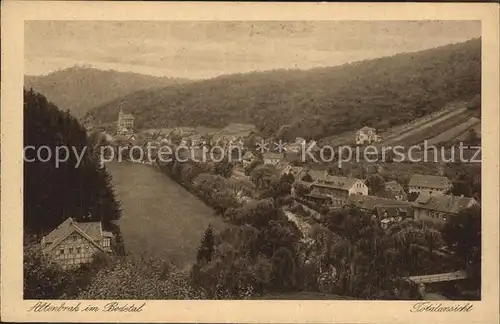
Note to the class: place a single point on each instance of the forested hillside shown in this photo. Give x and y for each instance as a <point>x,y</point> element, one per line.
<point>80,89</point>
<point>318,102</point>
<point>72,189</point>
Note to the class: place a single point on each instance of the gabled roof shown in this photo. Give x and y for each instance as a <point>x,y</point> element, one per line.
<point>371,202</point>
<point>443,203</point>
<point>282,165</point>
<point>272,155</point>
<point>393,211</point>
<point>92,231</point>
<point>128,116</point>
<point>429,181</point>
<point>296,170</point>
<point>366,128</point>
<point>336,182</point>
<point>316,174</point>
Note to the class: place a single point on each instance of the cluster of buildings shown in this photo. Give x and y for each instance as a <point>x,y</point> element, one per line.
<point>433,202</point>
<point>73,243</point>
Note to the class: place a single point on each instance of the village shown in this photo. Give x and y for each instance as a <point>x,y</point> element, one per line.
<point>200,169</point>
<point>317,189</point>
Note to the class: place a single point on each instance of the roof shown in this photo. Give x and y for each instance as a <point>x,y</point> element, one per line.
<point>302,183</point>
<point>393,211</point>
<point>429,181</point>
<point>282,165</point>
<point>296,170</point>
<point>371,202</point>
<point>272,155</point>
<point>337,182</point>
<point>248,154</point>
<point>443,203</point>
<point>127,116</point>
<point>318,196</point>
<point>107,234</point>
<point>366,128</point>
<point>92,229</point>
<point>316,174</point>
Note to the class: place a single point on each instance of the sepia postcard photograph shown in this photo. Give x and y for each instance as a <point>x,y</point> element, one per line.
<point>250,162</point>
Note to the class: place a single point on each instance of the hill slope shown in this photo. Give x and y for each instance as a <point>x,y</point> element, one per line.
<point>80,89</point>
<point>316,103</point>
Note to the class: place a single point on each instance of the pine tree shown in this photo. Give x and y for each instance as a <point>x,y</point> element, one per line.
<point>206,250</point>
<point>72,189</point>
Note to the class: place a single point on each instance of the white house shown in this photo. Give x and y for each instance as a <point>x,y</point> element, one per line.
<point>272,158</point>
<point>366,135</point>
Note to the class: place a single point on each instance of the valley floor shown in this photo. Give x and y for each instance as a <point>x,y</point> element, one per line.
<point>160,218</point>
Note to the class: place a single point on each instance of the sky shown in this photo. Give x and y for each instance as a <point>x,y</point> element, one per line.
<point>203,49</point>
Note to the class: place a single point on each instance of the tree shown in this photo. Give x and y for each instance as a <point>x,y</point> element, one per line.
<point>224,168</point>
<point>145,279</point>
<point>462,233</point>
<point>52,194</point>
<point>206,250</point>
<point>262,176</point>
<point>307,178</point>
<point>376,185</point>
<point>252,166</point>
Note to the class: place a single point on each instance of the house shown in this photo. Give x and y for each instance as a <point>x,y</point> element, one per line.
<point>366,135</point>
<point>429,183</point>
<point>388,211</point>
<point>371,203</point>
<point>73,243</point>
<point>296,171</point>
<point>395,191</point>
<point>125,123</point>
<point>272,158</point>
<point>338,188</point>
<point>185,131</point>
<point>438,208</point>
<point>247,159</point>
<point>195,140</point>
<point>297,146</point>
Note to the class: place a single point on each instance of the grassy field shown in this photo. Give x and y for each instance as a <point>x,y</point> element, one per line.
<point>160,218</point>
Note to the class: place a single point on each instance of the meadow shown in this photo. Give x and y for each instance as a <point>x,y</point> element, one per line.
<point>159,217</point>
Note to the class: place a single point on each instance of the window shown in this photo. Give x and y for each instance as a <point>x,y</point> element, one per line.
<point>70,250</point>
<point>78,250</point>
<point>61,251</point>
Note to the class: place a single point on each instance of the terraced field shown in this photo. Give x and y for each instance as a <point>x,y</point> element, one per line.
<point>432,130</point>
<point>454,132</point>
<point>425,130</point>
